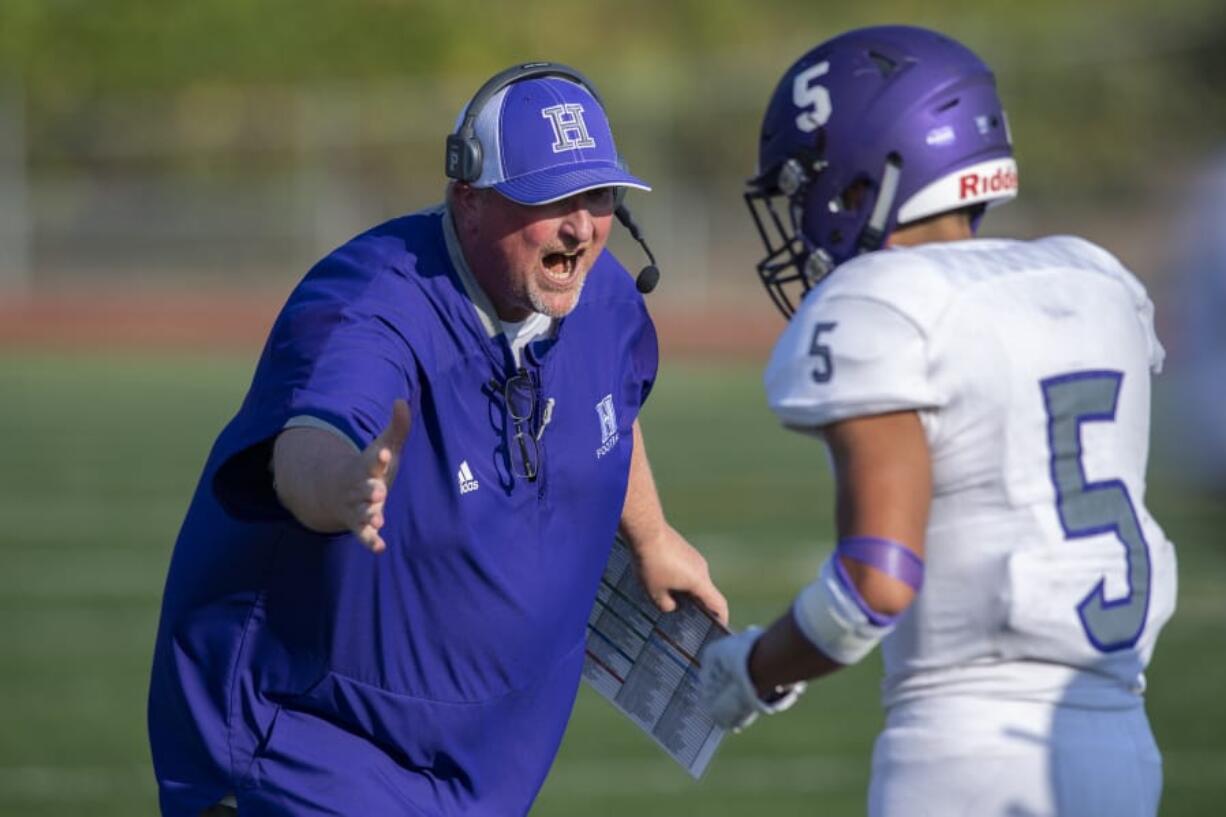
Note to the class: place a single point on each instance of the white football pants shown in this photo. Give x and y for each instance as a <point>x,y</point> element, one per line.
<point>954,756</point>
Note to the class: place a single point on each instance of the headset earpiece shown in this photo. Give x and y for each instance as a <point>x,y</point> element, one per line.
<point>463,157</point>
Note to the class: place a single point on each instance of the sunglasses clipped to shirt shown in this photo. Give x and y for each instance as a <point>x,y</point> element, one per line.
<point>520,394</point>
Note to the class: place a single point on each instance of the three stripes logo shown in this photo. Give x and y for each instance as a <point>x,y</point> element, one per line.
<point>465,477</point>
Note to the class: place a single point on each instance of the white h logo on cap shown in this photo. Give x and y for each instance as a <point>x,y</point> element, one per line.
<point>569,129</point>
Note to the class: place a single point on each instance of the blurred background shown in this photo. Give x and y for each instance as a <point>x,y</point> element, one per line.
<point>169,170</point>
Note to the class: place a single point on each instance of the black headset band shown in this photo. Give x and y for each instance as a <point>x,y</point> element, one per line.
<point>509,76</point>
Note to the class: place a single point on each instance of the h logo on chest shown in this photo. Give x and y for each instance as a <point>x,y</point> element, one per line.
<point>569,129</point>
<point>608,425</point>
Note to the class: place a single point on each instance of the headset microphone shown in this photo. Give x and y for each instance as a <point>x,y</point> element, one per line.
<point>649,276</point>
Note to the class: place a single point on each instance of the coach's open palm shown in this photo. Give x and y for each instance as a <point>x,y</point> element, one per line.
<point>378,465</point>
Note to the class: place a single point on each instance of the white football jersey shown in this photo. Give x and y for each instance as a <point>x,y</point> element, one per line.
<point>1029,364</point>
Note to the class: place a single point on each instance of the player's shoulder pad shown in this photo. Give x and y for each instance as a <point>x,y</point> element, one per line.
<point>1081,252</point>
<point>1085,254</point>
<point>858,345</point>
<point>910,283</point>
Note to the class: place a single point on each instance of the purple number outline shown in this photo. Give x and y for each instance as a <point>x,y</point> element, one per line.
<point>1098,593</point>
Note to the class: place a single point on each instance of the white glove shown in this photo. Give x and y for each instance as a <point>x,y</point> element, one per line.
<point>726,689</point>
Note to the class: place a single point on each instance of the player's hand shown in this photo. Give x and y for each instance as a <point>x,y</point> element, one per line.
<point>671,565</point>
<point>726,689</point>
<point>377,469</point>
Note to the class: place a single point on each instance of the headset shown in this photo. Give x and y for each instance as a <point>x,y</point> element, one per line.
<point>465,156</point>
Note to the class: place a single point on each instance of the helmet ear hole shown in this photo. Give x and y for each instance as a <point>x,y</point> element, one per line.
<point>855,194</point>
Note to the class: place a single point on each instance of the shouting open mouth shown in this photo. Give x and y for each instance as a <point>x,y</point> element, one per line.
<point>561,267</point>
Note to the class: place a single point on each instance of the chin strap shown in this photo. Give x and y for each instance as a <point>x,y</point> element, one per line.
<point>874,233</point>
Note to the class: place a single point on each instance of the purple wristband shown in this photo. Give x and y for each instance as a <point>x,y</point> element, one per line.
<point>891,558</point>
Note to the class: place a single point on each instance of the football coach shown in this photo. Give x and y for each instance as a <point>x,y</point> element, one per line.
<point>377,602</point>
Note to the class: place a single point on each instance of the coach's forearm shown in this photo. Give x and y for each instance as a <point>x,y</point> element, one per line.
<point>642,521</point>
<point>311,468</point>
<point>666,563</point>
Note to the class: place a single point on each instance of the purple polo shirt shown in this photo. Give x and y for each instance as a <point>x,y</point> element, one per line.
<point>306,675</point>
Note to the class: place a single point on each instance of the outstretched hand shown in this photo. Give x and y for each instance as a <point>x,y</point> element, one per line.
<point>378,465</point>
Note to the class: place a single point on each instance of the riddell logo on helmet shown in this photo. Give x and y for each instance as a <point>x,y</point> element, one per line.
<point>973,185</point>
<point>993,180</point>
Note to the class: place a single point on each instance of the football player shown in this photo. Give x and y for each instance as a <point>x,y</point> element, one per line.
<point>986,408</point>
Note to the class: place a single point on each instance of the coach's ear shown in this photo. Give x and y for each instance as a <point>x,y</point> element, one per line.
<point>465,202</point>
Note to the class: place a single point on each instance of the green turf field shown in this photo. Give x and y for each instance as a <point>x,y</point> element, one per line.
<point>99,459</point>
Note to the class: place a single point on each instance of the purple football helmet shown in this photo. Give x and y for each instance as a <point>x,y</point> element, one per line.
<point>876,128</point>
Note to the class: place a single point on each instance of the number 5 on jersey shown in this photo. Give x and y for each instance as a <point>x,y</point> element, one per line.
<point>823,370</point>
<point>1088,508</point>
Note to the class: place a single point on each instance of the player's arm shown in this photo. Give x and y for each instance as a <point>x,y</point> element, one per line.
<point>883,478</point>
<point>665,561</point>
<point>883,475</point>
<point>329,486</point>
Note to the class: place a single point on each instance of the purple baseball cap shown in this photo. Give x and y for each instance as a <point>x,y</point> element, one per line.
<point>547,138</point>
